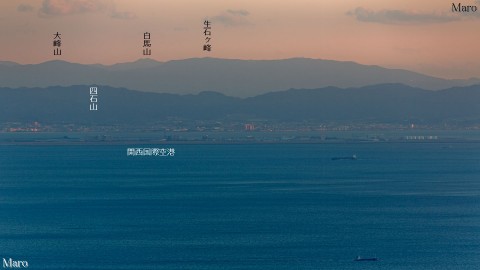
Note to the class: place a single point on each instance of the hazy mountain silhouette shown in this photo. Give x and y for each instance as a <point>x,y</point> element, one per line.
<point>8,63</point>
<point>240,78</point>
<point>388,103</point>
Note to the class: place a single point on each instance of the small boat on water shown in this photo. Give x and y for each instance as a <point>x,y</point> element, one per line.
<point>353,157</point>
<point>362,259</point>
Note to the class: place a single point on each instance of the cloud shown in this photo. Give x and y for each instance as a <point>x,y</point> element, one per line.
<point>122,15</point>
<point>180,29</point>
<point>54,8</point>
<point>387,16</point>
<point>70,7</point>
<point>232,18</point>
<point>24,8</point>
<point>242,12</point>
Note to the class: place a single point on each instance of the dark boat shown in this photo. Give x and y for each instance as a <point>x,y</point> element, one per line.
<point>360,259</point>
<point>353,157</point>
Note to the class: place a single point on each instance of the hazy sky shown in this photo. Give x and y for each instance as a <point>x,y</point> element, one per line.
<point>423,36</point>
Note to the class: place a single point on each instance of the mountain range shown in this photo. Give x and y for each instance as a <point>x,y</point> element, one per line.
<point>384,103</point>
<point>237,78</point>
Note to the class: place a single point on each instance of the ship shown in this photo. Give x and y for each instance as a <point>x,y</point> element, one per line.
<point>353,157</point>
<point>362,259</point>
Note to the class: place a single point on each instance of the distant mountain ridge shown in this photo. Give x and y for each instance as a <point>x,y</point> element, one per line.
<point>239,78</point>
<point>387,103</point>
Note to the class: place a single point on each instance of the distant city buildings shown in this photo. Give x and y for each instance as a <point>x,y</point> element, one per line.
<point>421,138</point>
<point>177,125</point>
<point>249,127</point>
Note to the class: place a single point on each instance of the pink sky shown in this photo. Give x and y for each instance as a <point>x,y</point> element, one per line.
<point>423,36</point>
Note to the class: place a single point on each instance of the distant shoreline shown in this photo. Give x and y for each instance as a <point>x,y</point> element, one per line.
<point>239,138</point>
<point>220,142</point>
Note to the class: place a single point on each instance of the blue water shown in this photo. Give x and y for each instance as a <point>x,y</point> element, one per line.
<point>413,205</point>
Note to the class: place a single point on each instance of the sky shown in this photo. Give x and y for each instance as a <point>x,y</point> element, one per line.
<point>422,36</point>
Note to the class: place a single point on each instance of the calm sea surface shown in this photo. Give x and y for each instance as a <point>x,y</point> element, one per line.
<point>412,205</point>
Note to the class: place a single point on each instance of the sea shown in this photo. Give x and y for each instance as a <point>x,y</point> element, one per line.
<point>242,206</point>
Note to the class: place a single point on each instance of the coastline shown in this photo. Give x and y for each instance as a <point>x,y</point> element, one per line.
<point>224,142</point>
<point>239,138</point>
